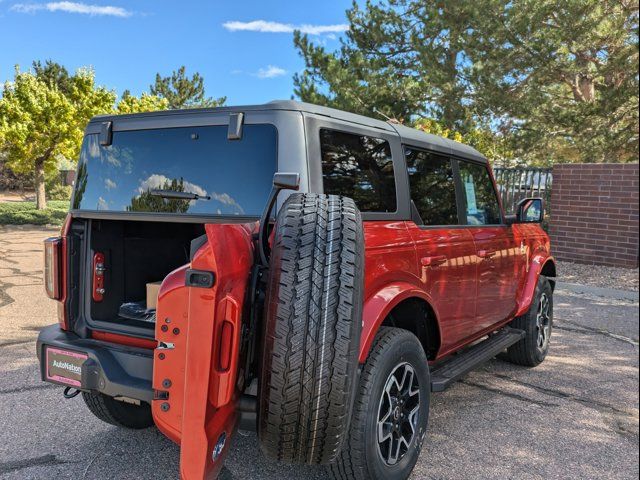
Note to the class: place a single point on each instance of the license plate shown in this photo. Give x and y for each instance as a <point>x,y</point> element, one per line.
<point>64,366</point>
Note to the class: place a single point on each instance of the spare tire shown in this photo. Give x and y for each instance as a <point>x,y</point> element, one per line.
<point>312,326</point>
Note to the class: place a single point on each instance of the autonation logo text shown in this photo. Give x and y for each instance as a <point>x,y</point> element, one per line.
<point>67,366</point>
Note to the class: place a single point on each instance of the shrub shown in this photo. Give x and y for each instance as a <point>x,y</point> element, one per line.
<point>22,213</point>
<point>60,192</point>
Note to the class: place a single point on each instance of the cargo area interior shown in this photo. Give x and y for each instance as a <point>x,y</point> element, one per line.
<point>135,253</point>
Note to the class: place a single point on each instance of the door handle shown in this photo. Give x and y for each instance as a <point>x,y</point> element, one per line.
<point>485,254</point>
<point>433,261</point>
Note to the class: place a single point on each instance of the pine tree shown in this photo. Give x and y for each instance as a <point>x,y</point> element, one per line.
<point>182,91</point>
<point>556,80</point>
<point>54,75</point>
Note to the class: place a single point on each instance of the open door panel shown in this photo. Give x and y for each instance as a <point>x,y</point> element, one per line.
<point>196,363</point>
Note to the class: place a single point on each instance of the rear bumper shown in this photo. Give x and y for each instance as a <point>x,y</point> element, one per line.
<point>115,370</point>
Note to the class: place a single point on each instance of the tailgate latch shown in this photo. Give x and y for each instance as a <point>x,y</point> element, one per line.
<point>98,277</point>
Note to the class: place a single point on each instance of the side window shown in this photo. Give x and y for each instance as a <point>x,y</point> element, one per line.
<point>360,167</point>
<point>481,201</point>
<point>433,187</point>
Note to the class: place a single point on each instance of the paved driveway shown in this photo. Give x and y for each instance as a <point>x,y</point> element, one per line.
<point>575,416</point>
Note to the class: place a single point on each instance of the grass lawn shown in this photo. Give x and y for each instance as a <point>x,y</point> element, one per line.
<point>22,213</point>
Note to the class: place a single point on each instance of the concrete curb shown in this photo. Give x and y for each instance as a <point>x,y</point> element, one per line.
<point>599,292</point>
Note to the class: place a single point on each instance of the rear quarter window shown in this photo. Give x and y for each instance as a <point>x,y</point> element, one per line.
<point>360,167</point>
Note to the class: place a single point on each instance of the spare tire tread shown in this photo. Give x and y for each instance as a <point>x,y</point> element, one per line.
<point>312,342</point>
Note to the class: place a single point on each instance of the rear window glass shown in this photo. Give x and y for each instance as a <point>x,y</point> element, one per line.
<point>232,177</point>
<point>360,167</point>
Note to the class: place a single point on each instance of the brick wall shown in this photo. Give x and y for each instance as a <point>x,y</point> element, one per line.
<point>594,214</point>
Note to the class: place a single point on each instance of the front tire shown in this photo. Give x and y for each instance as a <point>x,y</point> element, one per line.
<point>120,414</point>
<point>391,411</point>
<point>537,324</point>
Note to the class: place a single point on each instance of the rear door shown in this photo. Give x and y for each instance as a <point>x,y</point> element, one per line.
<point>496,254</point>
<point>445,249</point>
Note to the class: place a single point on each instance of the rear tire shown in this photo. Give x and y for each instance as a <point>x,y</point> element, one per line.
<point>120,414</point>
<point>312,326</point>
<point>537,324</point>
<point>388,406</point>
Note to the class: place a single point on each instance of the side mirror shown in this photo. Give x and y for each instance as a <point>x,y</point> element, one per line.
<point>529,210</point>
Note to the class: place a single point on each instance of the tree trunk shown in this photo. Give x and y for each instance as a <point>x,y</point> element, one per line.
<point>584,89</point>
<point>41,199</point>
<point>587,88</point>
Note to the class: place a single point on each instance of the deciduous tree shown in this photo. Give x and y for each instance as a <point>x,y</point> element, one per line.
<point>493,145</point>
<point>144,103</point>
<point>39,122</point>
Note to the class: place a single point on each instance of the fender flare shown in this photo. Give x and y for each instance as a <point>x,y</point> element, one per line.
<point>377,307</point>
<point>538,262</point>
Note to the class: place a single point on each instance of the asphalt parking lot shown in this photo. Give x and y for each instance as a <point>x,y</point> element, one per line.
<point>575,416</point>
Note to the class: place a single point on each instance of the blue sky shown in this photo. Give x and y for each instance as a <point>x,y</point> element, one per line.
<point>244,49</point>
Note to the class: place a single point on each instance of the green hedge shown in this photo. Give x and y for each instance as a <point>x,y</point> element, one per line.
<point>22,213</point>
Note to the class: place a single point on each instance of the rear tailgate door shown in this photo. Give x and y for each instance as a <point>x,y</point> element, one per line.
<point>196,365</point>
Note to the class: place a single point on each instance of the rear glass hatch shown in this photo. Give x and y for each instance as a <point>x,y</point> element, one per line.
<point>226,177</point>
<point>148,194</point>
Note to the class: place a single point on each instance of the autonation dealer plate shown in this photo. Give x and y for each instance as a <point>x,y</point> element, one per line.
<point>64,366</point>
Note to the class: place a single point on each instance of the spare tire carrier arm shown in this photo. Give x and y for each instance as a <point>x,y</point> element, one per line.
<point>281,181</point>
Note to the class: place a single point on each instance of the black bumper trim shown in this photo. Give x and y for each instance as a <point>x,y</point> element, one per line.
<point>115,370</point>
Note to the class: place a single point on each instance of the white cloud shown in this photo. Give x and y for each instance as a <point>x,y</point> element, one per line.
<point>223,198</point>
<point>277,27</point>
<point>159,181</point>
<point>270,71</point>
<point>72,7</point>
<point>109,184</point>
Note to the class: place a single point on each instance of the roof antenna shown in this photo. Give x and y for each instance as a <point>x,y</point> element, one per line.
<point>388,118</point>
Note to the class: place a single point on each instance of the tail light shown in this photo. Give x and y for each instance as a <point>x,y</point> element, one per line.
<point>55,272</point>
<point>53,267</point>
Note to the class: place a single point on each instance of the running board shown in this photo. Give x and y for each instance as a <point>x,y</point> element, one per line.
<point>449,371</point>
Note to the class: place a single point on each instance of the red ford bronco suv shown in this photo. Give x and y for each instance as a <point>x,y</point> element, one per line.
<point>297,270</point>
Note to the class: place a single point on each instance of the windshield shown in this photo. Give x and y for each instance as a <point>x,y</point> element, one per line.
<point>228,177</point>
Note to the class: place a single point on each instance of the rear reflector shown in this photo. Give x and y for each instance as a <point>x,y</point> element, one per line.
<point>52,267</point>
<point>226,346</point>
